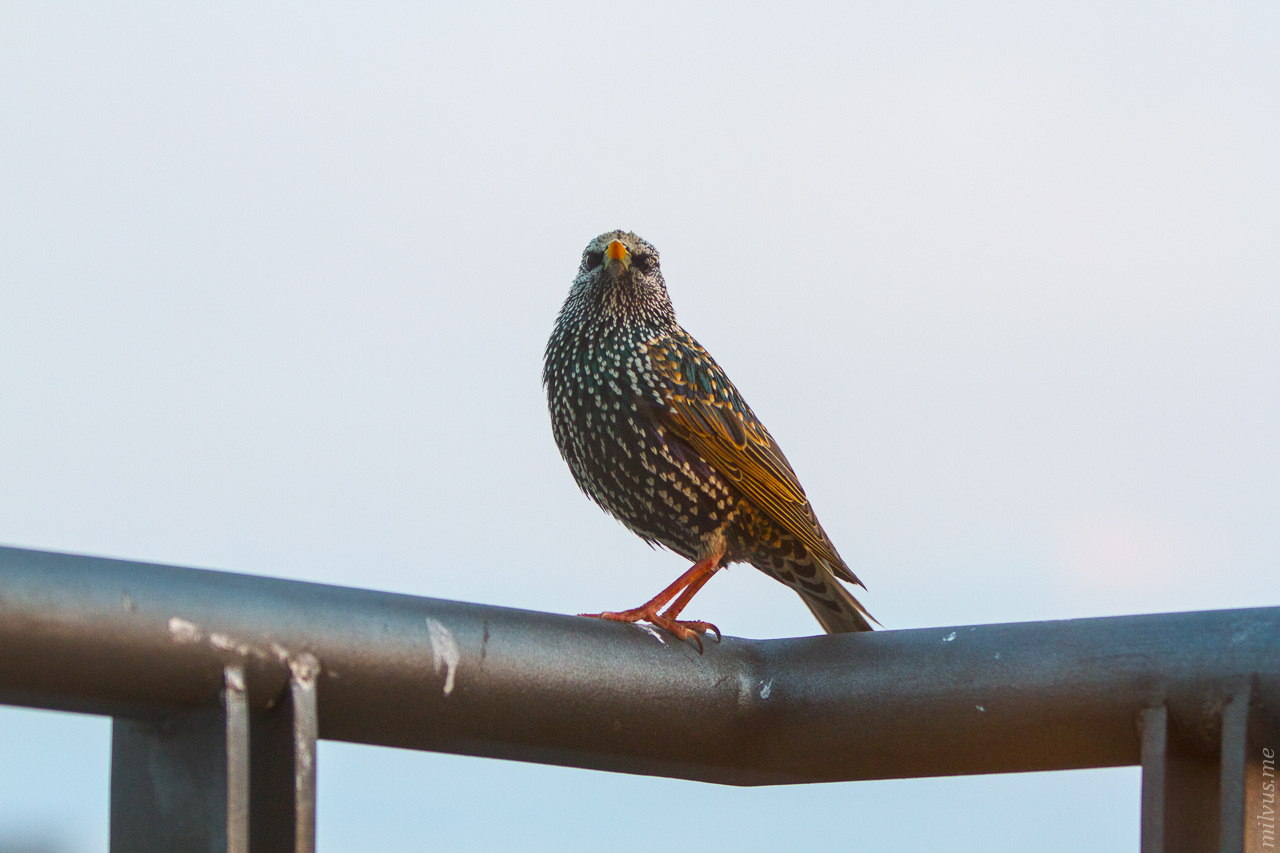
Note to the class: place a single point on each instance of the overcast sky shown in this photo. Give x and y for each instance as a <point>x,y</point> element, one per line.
<point>1001,278</point>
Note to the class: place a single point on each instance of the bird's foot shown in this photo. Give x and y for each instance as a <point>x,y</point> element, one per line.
<point>680,629</point>
<point>684,629</point>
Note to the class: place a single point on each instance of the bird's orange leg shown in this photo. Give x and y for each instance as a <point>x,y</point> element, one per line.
<point>685,586</point>
<point>679,604</point>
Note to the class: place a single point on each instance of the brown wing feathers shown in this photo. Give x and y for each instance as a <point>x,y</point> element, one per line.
<point>711,417</point>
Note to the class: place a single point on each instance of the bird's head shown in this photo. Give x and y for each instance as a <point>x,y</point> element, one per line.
<point>620,277</point>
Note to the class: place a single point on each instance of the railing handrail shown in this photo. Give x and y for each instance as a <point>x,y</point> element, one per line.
<point>118,637</point>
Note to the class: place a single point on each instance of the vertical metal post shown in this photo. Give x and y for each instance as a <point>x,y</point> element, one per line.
<point>1235,762</point>
<point>210,779</point>
<point>1262,781</point>
<point>179,780</point>
<point>283,807</point>
<point>237,705</point>
<point>306,730</point>
<point>1180,804</point>
<point>1153,728</point>
<point>1193,802</point>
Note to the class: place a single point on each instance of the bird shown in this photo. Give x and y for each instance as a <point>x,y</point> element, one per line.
<point>654,432</point>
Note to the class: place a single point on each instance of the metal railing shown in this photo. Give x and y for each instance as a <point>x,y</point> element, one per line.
<point>219,685</point>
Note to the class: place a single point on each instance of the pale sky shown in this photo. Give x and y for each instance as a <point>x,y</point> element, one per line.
<point>1002,279</point>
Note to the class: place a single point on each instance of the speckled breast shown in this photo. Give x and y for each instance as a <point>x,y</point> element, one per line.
<point>606,404</point>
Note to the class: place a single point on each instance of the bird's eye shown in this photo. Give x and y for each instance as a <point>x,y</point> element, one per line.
<point>594,259</point>
<point>643,263</point>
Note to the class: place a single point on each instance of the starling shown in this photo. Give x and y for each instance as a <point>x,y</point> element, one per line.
<point>657,435</point>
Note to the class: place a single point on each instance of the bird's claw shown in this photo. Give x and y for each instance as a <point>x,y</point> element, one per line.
<point>681,630</point>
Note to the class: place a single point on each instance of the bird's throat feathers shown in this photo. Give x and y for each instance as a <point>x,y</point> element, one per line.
<point>615,306</point>
<point>607,300</point>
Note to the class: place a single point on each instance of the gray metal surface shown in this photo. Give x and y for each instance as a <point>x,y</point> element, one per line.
<point>1198,800</point>
<point>212,778</point>
<point>169,783</point>
<point>126,639</point>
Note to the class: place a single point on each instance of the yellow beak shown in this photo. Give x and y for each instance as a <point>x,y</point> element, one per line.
<point>618,252</point>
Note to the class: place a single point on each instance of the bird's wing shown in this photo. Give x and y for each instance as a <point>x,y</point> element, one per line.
<point>705,410</point>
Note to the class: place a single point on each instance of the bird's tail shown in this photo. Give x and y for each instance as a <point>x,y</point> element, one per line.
<point>835,608</point>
